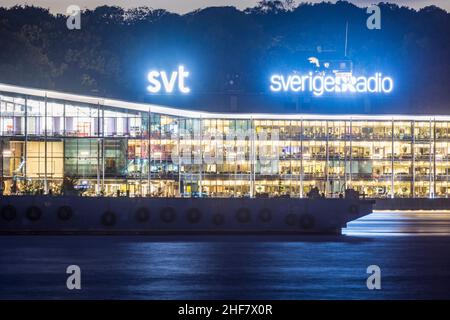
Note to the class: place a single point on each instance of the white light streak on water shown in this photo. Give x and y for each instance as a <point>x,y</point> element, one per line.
<point>401,223</point>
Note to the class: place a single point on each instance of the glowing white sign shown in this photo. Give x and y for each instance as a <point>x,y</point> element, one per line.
<point>319,84</point>
<point>160,80</point>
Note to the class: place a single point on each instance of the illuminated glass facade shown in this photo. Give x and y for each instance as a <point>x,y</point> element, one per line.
<point>109,147</point>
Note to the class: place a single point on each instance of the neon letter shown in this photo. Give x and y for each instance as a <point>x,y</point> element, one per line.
<point>155,85</point>
<point>182,74</point>
<point>275,83</point>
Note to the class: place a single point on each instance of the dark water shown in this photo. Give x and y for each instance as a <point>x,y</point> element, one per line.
<point>412,250</point>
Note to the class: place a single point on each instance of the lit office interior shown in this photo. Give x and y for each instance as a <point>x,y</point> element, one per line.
<point>114,151</point>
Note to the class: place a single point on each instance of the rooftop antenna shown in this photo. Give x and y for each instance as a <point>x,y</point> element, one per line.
<point>346,39</point>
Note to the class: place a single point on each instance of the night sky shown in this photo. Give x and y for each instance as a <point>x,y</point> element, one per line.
<point>189,5</point>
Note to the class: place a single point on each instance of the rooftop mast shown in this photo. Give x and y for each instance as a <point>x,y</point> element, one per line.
<point>346,39</point>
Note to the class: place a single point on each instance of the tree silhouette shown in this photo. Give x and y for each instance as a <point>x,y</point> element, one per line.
<point>228,51</point>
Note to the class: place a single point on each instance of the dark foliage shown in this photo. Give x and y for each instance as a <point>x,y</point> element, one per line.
<point>229,52</point>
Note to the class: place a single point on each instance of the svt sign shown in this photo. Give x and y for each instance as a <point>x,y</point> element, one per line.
<point>162,81</point>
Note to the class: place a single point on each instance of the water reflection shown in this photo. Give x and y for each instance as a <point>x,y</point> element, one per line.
<point>237,267</point>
